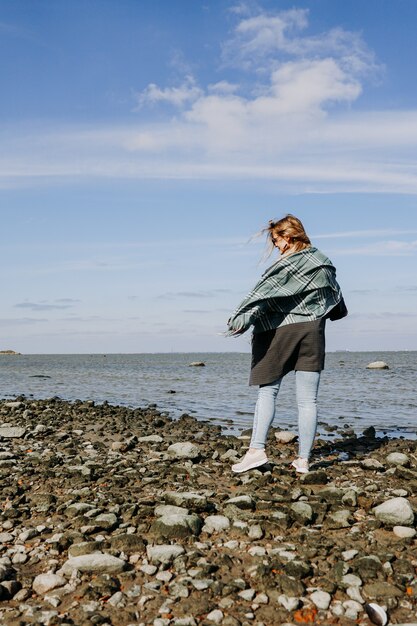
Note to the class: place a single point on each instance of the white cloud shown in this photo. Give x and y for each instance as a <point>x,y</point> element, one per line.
<point>296,125</point>
<point>177,96</point>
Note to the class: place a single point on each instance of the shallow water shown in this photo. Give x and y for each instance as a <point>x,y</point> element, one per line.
<point>349,393</point>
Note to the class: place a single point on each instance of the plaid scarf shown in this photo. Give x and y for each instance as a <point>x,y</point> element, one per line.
<point>301,287</point>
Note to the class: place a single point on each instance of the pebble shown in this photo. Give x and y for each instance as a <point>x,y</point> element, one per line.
<point>321,599</point>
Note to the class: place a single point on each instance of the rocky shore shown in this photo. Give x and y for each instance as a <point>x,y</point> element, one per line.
<point>120,516</point>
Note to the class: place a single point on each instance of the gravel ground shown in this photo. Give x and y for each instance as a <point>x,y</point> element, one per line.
<point>111,515</point>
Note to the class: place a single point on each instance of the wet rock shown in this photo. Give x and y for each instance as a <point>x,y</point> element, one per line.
<point>377,365</point>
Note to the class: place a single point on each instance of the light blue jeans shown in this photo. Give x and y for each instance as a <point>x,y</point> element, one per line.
<point>307,385</point>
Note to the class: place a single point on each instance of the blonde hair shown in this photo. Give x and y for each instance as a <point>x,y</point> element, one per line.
<point>290,227</point>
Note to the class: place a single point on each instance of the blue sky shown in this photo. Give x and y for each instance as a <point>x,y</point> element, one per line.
<point>143,144</point>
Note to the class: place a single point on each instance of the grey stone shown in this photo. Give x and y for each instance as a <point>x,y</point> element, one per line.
<point>395,512</point>
<point>242,502</point>
<point>404,532</point>
<point>46,582</point>
<point>339,519</point>
<point>321,599</point>
<point>371,464</point>
<point>216,523</point>
<point>398,458</point>
<point>164,554</point>
<point>151,439</point>
<point>184,450</point>
<point>215,616</point>
<point>289,603</point>
<point>382,590</point>
<point>95,562</point>
<point>285,436</point>
<point>170,509</point>
<point>187,499</point>
<point>84,547</point>
<point>302,512</point>
<point>128,543</point>
<point>177,526</point>
<point>106,521</point>
<point>317,477</point>
<point>78,508</point>
<point>331,494</point>
<point>12,432</point>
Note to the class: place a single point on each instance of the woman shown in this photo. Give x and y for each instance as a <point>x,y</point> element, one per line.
<point>288,309</point>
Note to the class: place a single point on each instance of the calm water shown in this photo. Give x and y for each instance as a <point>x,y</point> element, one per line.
<point>349,393</point>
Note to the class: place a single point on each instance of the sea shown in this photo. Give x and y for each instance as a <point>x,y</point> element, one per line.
<point>350,397</point>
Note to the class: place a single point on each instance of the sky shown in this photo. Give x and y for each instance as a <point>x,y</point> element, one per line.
<point>144,144</point>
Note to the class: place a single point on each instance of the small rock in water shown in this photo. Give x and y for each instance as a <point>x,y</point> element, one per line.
<point>197,364</point>
<point>377,365</point>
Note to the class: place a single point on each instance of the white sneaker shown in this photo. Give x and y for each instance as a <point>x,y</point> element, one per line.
<point>250,461</point>
<point>301,465</point>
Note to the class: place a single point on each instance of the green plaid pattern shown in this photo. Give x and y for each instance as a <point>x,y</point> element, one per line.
<point>299,288</point>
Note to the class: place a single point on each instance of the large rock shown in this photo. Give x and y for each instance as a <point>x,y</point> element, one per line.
<point>398,458</point>
<point>184,450</point>
<point>377,365</point>
<point>46,582</point>
<point>395,512</point>
<point>12,432</point>
<point>242,502</point>
<point>96,562</point>
<point>216,523</point>
<point>186,499</point>
<point>163,554</point>
<point>285,436</point>
<point>128,543</point>
<point>177,525</point>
